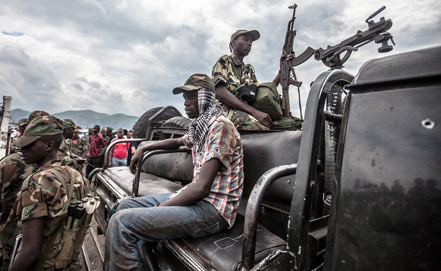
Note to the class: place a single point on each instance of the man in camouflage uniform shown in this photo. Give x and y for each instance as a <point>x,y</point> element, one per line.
<point>13,171</point>
<point>21,127</point>
<point>44,198</point>
<point>230,74</point>
<point>78,145</point>
<point>65,153</point>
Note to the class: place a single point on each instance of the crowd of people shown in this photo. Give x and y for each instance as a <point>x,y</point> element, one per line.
<point>44,183</point>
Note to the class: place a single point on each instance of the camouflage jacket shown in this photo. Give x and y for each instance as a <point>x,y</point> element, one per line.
<point>44,195</point>
<point>79,148</point>
<point>66,156</point>
<point>233,73</point>
<point>13,171</point>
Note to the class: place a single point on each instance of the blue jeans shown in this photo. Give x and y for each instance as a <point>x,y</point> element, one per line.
<point>116,162</point>
<point>137,221</point>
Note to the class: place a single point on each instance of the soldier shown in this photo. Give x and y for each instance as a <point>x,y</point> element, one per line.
<point>79,145</point>
<point>21,126</point>
<point>232,77</point>
<point>43,201</point>
<point>13,171</point>
<point>64,153</point>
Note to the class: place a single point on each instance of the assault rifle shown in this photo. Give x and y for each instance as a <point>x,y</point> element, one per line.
<point>287,73</point>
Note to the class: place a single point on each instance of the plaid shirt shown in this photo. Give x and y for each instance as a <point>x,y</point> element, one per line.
<point>222,142</point>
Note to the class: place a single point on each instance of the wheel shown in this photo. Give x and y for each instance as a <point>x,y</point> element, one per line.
<point>177,122</point>
<point>332,132</point>
<point>160,114</point>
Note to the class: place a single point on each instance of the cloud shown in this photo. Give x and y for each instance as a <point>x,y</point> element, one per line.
<point>13,33</point>
<point>29,82</point>
<point>126,56</point>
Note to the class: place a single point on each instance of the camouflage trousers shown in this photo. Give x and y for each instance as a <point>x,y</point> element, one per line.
<point>246,122</point>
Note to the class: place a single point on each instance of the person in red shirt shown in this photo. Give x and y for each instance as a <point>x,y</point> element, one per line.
<point>97,146</point>
<point>119,151</point>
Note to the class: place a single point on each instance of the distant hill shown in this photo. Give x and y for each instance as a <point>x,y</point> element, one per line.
<point>85,118</point>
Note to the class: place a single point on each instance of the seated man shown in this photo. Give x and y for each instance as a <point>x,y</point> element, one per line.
<point>230,74</point>
<point>205,206</point>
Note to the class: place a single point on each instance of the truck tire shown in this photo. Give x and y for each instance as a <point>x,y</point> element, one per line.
<point>140,127</point>
<point>332,132</point>
<point>177,122</point>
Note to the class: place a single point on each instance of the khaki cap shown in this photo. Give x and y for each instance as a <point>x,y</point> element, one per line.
<point>195,82</point>
<point>254,34</point>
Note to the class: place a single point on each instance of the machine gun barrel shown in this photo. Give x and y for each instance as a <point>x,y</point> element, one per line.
<point>377,31</point>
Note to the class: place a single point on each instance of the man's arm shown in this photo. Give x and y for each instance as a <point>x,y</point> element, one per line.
<point>230,100</point>
<point>104,146</point>
<point>220,72</point>
<point>198,190</point>
<point>32,244</point>
<point>276,79</point>
<point>168,144</point>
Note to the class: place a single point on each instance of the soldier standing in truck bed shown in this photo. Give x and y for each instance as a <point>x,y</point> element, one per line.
<point>230,74</point>
<point>43,201</point>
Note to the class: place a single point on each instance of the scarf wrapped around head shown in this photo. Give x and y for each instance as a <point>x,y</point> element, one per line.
<point>207,109</point>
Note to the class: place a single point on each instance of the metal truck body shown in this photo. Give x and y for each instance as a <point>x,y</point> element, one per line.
<point>371,202</point>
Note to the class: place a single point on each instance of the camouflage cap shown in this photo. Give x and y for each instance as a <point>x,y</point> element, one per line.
<point>68,123</point>
<point>37,113</point>
<point>23,122</point>
<point>195,82</point>
<point>38,127</point>
<point>254,34</point>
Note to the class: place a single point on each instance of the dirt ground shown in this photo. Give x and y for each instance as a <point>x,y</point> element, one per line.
<point>92,251</point>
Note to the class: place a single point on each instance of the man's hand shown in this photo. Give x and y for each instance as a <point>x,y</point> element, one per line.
<point>136,159</point>
<point>262,117</point>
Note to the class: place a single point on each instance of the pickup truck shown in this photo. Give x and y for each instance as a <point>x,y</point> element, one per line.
<point>359,188</point>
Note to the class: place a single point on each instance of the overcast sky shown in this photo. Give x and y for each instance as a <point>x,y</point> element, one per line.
<point>126,56</point>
